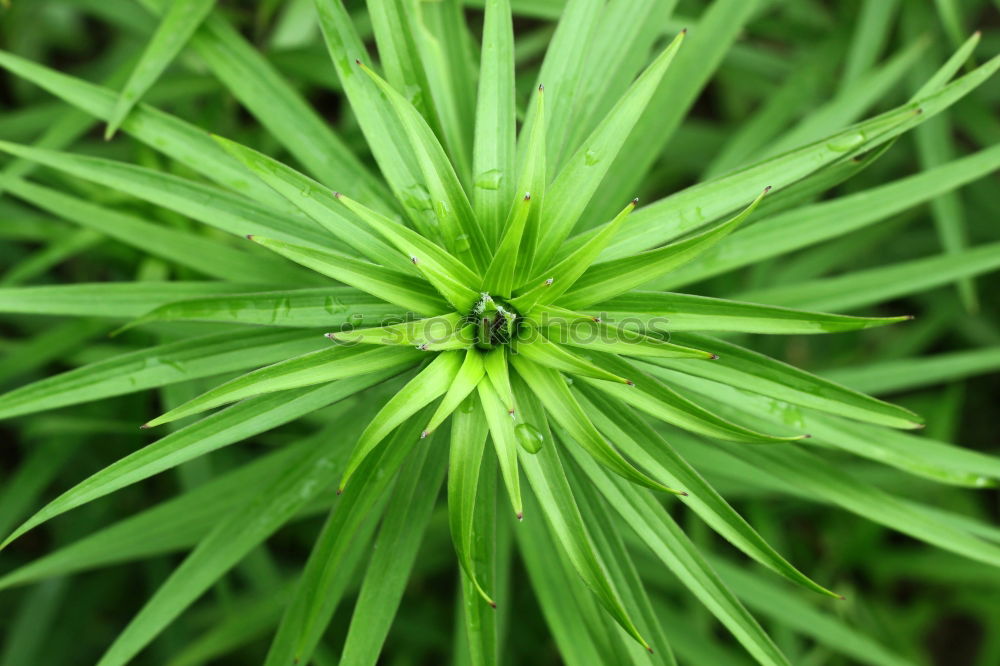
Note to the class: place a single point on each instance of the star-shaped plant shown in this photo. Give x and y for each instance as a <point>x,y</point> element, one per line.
<point>484,286</point>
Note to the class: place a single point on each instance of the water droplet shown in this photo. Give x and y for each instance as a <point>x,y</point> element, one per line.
<point>462,243</point>
<point>467,406</point>
<point>489,180</point>
<point>333,305</point>
<point>417,197</point>
<point>591,157</point>
<point>845,142</point>
<point>529,437</point>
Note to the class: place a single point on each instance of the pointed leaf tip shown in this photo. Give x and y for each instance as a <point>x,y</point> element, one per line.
<point>144,426</point>
<point>424,433</point>
<point>520,515</point>
<point>250,237</point>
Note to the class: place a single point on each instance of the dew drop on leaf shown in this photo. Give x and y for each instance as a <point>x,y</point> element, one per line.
<point>591,157</point>
<point>529,437</point>
<point>842,144</point>
<point>489,180</point>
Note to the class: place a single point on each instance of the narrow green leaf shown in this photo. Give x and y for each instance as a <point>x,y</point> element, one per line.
<point>315,200</point>
<point>660,401</point>
<point>881,284</point>
<point>448,202</point>
<point>401,289</point>
<point>811,224</point>
<point>539,349</point>
<point>182,141</point>
<point>427,386</point>
<point>314,602</point>
<point>208,257</point>
<point>666,312</point>
<point>501,427</point>
<point>448,275</point>
<point>565,327</point>
<point>231,425</point>
<point>419,333</point>
<point>295,308</point>
<point>178,24</point>
<point>317,367</point>
<point>245,71</point>
<point>749,370</point>
<point>395,551</point>
<point>468,443</point>
<point>489,545</point>
<point>226,545</point>
<point>552,392</point>
<point>532,179</point>
<point>160,365</point>
<point>634,436</point>
<point>493,155</point>
<point>465,382</point>
<point>607,280</point>
<point>116,300</point>
<point>568,271</point>
<point>545,472</point>
<point>907,374</point>
<point>659,531</point>
<point>580,177</point>
<point>672,216</point>
<point>719,26</point>
<point>495,364</point>
<point>207,204</point>
<point>499,278</point>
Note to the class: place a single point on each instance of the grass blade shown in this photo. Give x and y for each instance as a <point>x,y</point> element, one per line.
<point>179,22</point>
<point>397,288</point>
<point>552,392</point>
<point>317,367</point>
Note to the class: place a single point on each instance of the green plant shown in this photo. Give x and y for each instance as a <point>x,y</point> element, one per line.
<point>488,293</point>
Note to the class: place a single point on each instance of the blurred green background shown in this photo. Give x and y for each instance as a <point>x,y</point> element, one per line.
<point>797,58</point>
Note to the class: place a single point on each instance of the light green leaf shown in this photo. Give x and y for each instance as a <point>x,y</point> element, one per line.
<point>230,541</point>
<point>539,349</point>
<point>465,382</point>
<point>906,374</point>
<point>316,201</point>
<point>493,155</point>
<point>157,366</point>
<point>607,280</point>
<point>580,177</point>
<point>673,216</point>
<point>314,603</point>
<point>178,24</point>
<point>500,275</point>
<point>749,370</point>
<point>207,204</point>
<point>296,308</point>
<point>823,221</point>
<point>215,431</point>
<point>565,327</point>
<point>881,284</point>
<point>427,386</point>
<point>568,271</point>
<point>545,472</point>
<point>501,427</point>
<point>667,312</point>
<point>448,275</point>
<point>662,402</point>
<point>117,300</point>
<point>634,436</point>
<point>552,392</point>
<point>420,333</point>
<point>279,107</point>
<point>468,443</point>
<point>448,203</point>
<point>660,533</point>
<point>209,257</point>
<point>317,367</point>
<point>532,179</point>
<point>402,290</point>
<point>406,519</point>
<point>495,364</point>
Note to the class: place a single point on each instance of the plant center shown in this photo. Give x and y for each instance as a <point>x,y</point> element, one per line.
<point>495,321</point>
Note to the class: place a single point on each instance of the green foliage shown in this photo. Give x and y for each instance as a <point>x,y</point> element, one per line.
<point>386,242</point>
